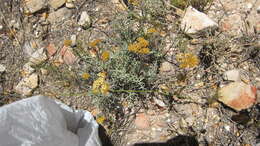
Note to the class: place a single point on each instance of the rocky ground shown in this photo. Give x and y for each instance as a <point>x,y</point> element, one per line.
<point>213,102</point>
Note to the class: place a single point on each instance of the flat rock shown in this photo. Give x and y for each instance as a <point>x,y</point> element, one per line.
<point>51,50</point>
<point>59,15</point>
<point>67,55</point>
<point>142,121</point>
<point>70,5</point>
<point>73,39</point>
<point>238,95</point>
<point>166,68</point>
<point>34,5</point>
<point>84,20</point>
<point>195,21</point>
<point>2,68</point>
<point>232,24</point>
<point>233,75</point>
<point>27,85</point>
<point>56,3</point>
<point>38,57</point>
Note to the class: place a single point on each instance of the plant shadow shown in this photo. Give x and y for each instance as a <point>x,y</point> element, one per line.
<point>181,140</point>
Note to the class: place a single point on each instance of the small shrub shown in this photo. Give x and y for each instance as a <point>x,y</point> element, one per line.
<point>130,69</point>
<point>187,60</point>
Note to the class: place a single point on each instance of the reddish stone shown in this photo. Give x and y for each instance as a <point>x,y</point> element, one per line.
<point>68,56</point>
<point>63,50</point>
<point>51,50</point>
<point>238,95</point>
<point>226,26</point>
<point>244,101</point>
<point>142,121</point>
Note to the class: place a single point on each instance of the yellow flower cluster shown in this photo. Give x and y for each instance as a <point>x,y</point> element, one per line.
<point>105,56</point>
<point>100,85</point>
<point>100,120</point>
<point>85,76</point>
<point>152,30</point>
<point>187,60</point>
<point>94,43</point>
<point>140,47</point>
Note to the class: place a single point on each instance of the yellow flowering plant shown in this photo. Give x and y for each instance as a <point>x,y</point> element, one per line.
<point>85,76</point>
<point>102,74</point>
<point>142,42</point>
<point>105,55</point>
<point>187,60</point>
<point>100,85</point>
<point>101,119</point>
<point>140,47</point>
<point>94,43</point>
<point>151,30</point>
<point>131,68</point>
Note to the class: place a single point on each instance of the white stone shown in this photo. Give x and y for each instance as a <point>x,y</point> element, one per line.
<point>27,85</point>
<point>2,68</point>
<point>233,75</point>
<point>195,21</point>
<point>34,5</point>
<point>56,3</point>
<point>70,5</point>
<point>227,127</point>
<point>159,102</point>
<point>38,57</point>
<point>1,27</point>
<point>84,20</point>
<point>249,5</point>
<point>14,24</point>
<point>166,67</point>
<point>73,39</point>
<point>198,76</point>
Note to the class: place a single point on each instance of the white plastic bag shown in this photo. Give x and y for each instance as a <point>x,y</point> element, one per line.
<point>40,121</point>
